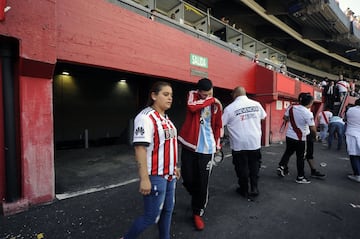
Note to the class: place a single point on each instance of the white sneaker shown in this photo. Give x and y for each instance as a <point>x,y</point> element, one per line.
<point>302,180</point>
<point>355,178</point>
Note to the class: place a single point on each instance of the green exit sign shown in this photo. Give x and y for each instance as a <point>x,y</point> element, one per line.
<point>197,60</point>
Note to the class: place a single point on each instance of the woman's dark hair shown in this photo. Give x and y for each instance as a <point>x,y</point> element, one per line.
<point>156,88</point>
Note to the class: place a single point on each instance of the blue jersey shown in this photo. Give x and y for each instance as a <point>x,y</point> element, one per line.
<point>206,142</point>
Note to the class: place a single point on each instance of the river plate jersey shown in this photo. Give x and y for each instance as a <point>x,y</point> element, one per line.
<point>300,119</point>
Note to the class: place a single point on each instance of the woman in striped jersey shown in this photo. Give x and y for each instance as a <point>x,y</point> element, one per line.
<point>155,142</point>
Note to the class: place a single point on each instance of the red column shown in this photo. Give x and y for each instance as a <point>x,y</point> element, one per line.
<point>2,8</point>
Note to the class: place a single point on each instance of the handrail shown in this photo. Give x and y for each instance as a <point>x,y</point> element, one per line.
<point>212,22</point>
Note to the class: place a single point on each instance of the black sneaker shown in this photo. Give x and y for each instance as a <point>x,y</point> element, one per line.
<point>317,174</point>
<point>242,192</point>
<point>245,195</point>
<point>302,180</point>
<point>254,192</point>
<point>282,171</point>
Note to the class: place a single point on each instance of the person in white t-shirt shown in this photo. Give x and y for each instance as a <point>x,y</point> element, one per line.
<point>343,88</point>
<point>301,124</point>
<point>323,119</point>
<point>243,121</point>
<point>353,139</point>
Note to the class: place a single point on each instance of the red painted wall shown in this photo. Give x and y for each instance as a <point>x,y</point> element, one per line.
<point>102,34</point>
<point>34,25</point>
<point>285,85</point>
<point>120,39</point>
<point>2,6</point>
<point>265,84</point>
<point>276,122</point>
<point>274,88</point>
<point>37,154</point>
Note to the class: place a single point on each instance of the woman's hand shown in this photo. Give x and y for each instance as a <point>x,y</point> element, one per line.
<point>178,173</point>
<point>140,156</point>
<point>145,186</point>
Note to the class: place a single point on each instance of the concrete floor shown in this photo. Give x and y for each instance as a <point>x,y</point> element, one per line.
<point>324,209</point>
<point>81,170</point>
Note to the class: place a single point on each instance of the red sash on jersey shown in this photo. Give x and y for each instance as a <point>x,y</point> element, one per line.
<point>342,84</point>
<point>293,124</point>
<point>325,118</point>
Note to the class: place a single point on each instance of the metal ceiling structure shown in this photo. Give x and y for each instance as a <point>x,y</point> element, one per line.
<point>313,32</point>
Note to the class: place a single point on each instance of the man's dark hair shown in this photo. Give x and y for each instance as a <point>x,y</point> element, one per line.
<point>204,84</point>
<point>301,95</point>
<point>357,102</point>
<point>306,99</point>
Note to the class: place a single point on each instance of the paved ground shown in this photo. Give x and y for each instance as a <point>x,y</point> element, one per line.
<point>324,209</point>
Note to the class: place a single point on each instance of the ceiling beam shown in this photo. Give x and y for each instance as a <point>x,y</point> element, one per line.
<point>277,22</point>
<point>275,7</point>
<point>314,34</point>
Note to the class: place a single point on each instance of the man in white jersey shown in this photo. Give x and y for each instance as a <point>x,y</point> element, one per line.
<point>343,88</point>
<point>309,152</point>
<point>301,124</point>
<point>243,121</point>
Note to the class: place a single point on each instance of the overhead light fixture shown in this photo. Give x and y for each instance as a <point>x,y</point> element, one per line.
<point>351,50</point>
<point>122,81</point>
<point>65,73</point>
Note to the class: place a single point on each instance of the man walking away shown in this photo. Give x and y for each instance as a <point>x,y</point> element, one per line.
<point>243,121</point>
<point>301,122</point>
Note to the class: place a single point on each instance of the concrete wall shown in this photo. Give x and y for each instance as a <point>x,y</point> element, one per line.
<point>120,39</point>
<point>33,24</point>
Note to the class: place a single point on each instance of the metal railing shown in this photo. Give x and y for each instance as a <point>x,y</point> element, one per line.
<point>201,25</point>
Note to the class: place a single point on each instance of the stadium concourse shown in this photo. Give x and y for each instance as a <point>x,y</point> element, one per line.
<point>325,208</point>
<point>73,88</point>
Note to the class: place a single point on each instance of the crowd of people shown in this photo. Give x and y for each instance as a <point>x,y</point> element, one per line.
<point>156,148</point>
<point>336,91</point>
<point>355,19</point>
<point>347,128</point>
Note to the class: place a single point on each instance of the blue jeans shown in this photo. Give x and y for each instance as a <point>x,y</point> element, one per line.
<point>158,208</point>
<point>355,164</point>
<point>323,131</point>
<point>339,128</point>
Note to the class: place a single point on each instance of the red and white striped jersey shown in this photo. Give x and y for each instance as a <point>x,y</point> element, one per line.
<point>160,134</point>
<point>342,85</point>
